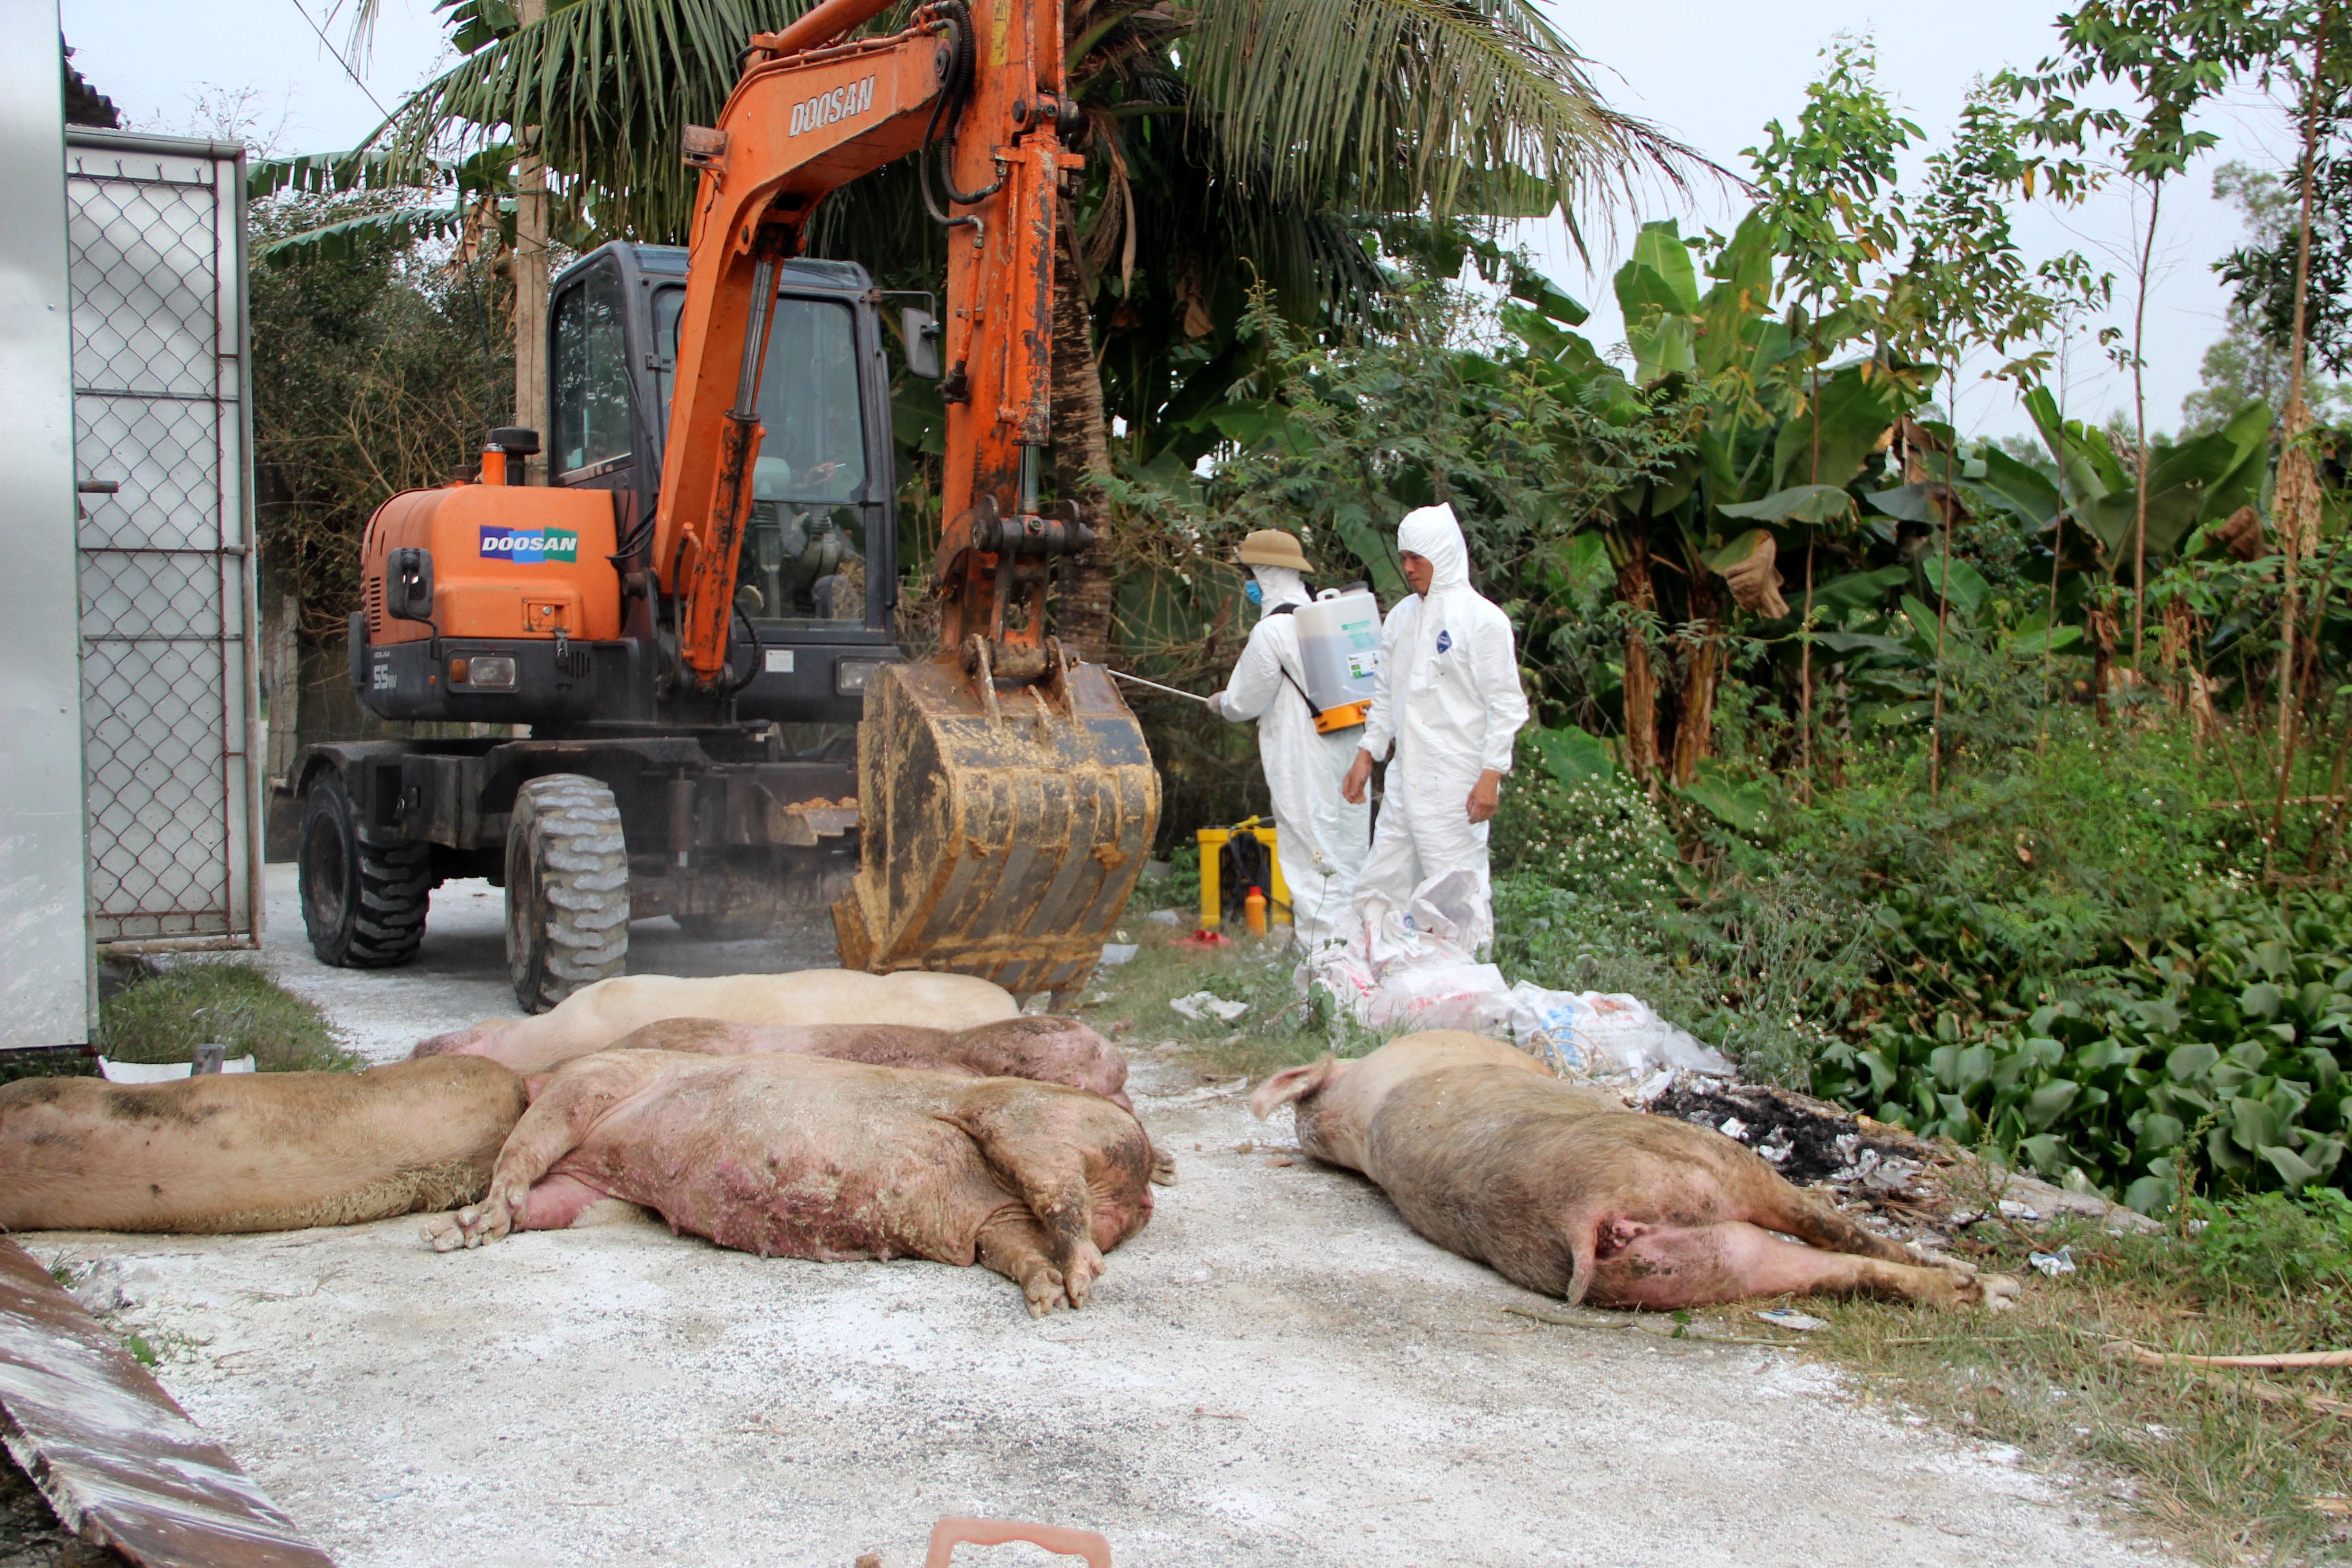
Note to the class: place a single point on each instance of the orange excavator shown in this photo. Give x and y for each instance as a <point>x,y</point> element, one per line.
<point>689,613</point>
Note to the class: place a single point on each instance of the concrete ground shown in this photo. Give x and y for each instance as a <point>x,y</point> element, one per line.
<point>1275,1372</point>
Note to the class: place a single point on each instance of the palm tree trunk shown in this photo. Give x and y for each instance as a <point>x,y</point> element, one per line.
<point>531,277</point>
<point>1082,617</point>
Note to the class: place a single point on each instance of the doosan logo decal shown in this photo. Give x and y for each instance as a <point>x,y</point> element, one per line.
<point>827,106</point>
<point>529,544</point>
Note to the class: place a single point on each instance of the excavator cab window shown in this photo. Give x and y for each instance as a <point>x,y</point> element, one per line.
<point>804,551</point>
<point>588,393</point>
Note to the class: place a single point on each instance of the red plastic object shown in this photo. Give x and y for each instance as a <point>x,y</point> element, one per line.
<point>1207,938</point>
<point>949,1533</point>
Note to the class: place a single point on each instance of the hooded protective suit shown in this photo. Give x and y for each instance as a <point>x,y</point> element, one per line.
<point>1319,838</point>
<point>1448,696</point>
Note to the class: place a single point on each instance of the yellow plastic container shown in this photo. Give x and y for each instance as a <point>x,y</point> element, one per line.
<point>1212,841</point>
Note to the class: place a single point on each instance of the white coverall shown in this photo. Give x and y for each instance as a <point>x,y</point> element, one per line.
<point>1319,838</point>
<point>1448,696</point>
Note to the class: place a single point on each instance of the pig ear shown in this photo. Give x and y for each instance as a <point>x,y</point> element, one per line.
<point>1291,1084</point>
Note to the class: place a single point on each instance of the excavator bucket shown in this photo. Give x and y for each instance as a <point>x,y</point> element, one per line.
<point>1001,827</point>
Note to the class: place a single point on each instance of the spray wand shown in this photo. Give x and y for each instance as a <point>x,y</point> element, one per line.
<point>1156,686</point>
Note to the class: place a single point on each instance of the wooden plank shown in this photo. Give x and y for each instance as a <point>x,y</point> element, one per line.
<point>119,1460</point>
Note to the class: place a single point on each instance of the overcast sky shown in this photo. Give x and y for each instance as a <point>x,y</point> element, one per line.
<point>1709,71</point>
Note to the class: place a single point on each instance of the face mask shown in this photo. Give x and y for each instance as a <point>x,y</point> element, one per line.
<point>1253,592</point>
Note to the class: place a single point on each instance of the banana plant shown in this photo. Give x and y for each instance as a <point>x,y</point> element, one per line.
<point>1717,363</point>
<point>2200,480</point>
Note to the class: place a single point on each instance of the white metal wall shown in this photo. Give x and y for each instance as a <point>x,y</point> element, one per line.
<point>46,994</point>
<point>171,740</point>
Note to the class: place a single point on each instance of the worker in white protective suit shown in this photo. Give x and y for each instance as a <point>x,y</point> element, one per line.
<point>1448,696</point>
<point>1319,838</point>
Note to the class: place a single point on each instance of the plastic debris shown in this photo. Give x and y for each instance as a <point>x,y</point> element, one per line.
<point>1117,952</point>
<point>1734,1128</point>
<point>1165,917</point>
<point>1207,938</point>
<point>1867,1167</point>
<point>1790,1318</point>
<point>2015,1210</point>
<point>1202,1006</point>
<point>2053,1264</point>
<point>1595,1033</point>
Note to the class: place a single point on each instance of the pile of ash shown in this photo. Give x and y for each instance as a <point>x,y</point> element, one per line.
<point>1909,1187</point>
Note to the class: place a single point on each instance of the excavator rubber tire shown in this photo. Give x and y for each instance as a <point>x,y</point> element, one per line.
<point>567,888</point>
<point>362,903</point>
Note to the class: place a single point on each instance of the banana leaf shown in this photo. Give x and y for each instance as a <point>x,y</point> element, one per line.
<point>2207,476</point>
<point>1855,412</point>
<point>1800,503</point>
<point>2024,491</point>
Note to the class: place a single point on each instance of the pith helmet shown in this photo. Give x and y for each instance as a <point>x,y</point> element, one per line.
<point>1272,547</point>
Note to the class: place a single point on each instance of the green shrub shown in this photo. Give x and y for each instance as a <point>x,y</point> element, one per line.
<point>2273,1245</point>
<point>164,1017</point>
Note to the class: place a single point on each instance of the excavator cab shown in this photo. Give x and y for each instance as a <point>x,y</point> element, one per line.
<point>817,579</point>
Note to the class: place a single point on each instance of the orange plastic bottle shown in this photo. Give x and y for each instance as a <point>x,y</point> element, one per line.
<point>1253,912</point>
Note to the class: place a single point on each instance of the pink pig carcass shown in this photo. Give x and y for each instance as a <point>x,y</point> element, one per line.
<point>805,1157</point>
<point>1564,1191</point>
<point>1048,1049</point>
<point>594,1019</point>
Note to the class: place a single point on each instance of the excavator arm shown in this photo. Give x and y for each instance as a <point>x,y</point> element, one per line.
<point>1005,795</point>
<point>811,114</point>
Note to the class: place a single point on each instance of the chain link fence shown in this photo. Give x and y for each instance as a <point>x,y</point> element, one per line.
<point>170,738</point>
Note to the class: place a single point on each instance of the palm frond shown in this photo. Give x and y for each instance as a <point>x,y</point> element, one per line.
<point>338,174</point>
<point>611,85</point>
<point>1401,105</point>
<point>395,229</point>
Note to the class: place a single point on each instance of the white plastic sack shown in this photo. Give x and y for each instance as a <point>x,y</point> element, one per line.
<point>1440,996</point>
<point>1343,973</point>
<point>160,1073</point>
<point>1426,931</point>
<point>1444,906</point>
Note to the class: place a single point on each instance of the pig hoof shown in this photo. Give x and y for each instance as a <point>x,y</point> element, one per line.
<point>1163,1168</point>
<point>1079,1272</point>
<point>1044,1290</point>
<point>443,1232</point>
<point>1998,1292</point>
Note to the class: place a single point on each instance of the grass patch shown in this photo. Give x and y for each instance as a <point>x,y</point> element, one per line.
<point>162,1018</point>
<point>1129,1003</point>
<point>2230,1476</point>
<point>64,1061</point>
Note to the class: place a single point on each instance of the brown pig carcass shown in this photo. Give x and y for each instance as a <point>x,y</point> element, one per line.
<point>1048,1049</point>
<point>805,1157</point>
<point>1562,1190</point>
<point>595,1018</point>
<point>251,1151</point>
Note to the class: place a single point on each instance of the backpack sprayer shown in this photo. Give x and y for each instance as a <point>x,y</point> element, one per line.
<point>1339,644</point>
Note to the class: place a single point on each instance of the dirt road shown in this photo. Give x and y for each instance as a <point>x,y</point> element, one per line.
<point>1276,1372</point>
